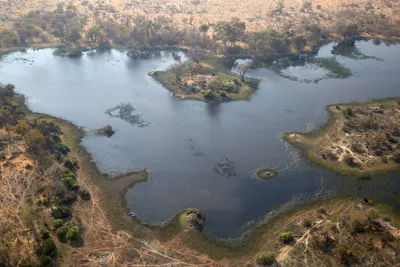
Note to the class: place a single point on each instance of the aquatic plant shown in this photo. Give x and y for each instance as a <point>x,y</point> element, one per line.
<point>124,111</point>
<point>225,167</point>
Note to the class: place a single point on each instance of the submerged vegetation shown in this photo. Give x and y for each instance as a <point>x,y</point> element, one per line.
<point>360,139</point>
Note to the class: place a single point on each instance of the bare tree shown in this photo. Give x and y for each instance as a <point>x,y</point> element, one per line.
<point>242,69</point>
<point>197,54</point>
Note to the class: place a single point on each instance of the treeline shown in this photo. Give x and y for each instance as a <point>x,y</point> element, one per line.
<point>67,26</point>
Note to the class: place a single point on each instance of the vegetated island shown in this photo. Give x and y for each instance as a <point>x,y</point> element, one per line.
<point>266,174</point>
<point>358,139</point>
<point>207,80</point>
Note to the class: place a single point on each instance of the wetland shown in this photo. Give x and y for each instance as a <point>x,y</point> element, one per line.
<point>203,155</point>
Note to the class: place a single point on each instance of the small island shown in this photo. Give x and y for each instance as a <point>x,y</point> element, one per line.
<point>359,139</point>
<point>207,80</point>
<point>266,174</point>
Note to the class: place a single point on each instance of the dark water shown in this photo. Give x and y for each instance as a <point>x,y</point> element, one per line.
<point>180,142</point>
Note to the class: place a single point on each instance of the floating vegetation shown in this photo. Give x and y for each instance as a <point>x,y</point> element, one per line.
<point>125,112</point>
<point>191,143</point>
<point>225,167</point>
<point>310,69</point>
<point>192,146</point>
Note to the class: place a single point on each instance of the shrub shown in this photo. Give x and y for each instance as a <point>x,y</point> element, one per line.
<point>44,233</point>
<point>287,237</point>
<point>44,260</point>
<point>68,182</point>
<point>84,194</point>
<point>48,248</point>
<point>60,212</point>
<point>348,112</point>
<point>396,158</point>
<point>71,164</point>
<point>61,232</point>
<point>68,198</point>
<point>63,149</point>
<point>266,260</point>
<point>57,223</point>
<point>75,187</point>
<point>306,223</point>
<point>73,233</point>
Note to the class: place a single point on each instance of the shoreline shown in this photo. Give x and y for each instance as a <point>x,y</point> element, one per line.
<point>307,149</point>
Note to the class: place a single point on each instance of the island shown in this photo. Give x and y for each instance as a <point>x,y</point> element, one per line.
<point>266,174</point>
<point>207,80</point>
<point>359,139</point>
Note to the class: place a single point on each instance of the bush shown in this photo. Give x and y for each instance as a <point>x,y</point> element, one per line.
<point>60,212</point>
<point>48,248</point>
<point>73,233</point>
<point>84,194</point>
<point>287,237</point>
<point>63,149</point>
<point>44,233</point>
<point>57,223</point>
<point>68,198</point>
<point>75,187</point>
<point>61,232</point>
<point>348,112</point>
<point>266,260</point>
<point>44,260</point>
<point>306,223</point>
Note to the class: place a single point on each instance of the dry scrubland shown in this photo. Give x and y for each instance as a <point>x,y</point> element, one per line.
<point>359,139</point>
<point>258,15</point>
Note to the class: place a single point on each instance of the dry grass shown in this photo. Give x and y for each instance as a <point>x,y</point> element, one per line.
<point>365,143</point>
<point>258,15</point>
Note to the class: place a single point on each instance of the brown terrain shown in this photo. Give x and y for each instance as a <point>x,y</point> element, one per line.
<point>258,15</point>
<point>359,140</point>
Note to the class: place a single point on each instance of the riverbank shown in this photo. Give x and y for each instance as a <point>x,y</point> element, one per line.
<point>357,140</point>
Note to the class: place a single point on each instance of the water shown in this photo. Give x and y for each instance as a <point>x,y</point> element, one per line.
<point>180,142</point>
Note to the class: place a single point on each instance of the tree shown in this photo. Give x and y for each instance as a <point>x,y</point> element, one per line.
<point>22,128</point>
<point>229,31</point>
<point>34,140</point>
<point>300,41</point>
<point>349,31</point>
<point>193,69</point>
<point>204,29</point>
<point>242,69</point>
<point>197,54</point>
<point>95,33</point>
<point>6,92</point>
<point>75,35</point>
<point>177,69</point>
